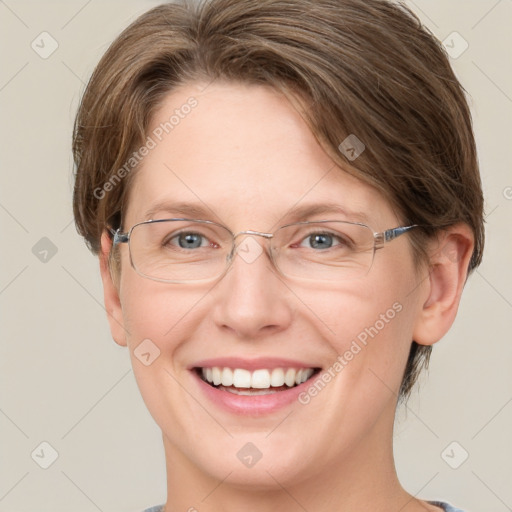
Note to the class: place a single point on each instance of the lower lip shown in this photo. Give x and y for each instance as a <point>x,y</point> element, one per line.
<point>254,405</point>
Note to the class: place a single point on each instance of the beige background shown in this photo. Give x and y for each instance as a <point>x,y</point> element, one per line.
<point>64,382</point>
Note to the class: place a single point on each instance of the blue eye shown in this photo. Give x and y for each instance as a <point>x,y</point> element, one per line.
<point>189,240</point>
<point>321,240</point>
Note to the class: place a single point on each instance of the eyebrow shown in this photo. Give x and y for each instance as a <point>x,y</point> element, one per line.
<point>296,214</point>
<point>302,212</point>
<point>193,210</point>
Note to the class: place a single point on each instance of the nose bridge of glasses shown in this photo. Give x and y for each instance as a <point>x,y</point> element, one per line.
<point>249,233</point>
<point>248,249</point>
<point>254,233</point>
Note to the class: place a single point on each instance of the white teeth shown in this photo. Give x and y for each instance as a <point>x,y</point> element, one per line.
<point>216,375</point>
<point>303,375</point>
<point>306,374</point>
<point>277,378</point>
<point>227,377</point>
<point>258,379</point>
<point>241,378</point>
<point>289,377</point>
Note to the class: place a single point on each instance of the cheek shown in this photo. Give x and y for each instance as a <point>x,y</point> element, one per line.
<point>160,322</point>
<point>154,310</point>
<point>157,318</point>
<point>369,328</point>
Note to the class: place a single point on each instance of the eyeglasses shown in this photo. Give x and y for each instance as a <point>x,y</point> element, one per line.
<point>189,250</point>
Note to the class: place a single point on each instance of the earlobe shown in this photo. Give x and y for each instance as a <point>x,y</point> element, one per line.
<point>111,294</point>
<point>449,260</point>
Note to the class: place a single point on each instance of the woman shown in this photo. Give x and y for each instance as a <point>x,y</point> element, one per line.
<point>285,201</point>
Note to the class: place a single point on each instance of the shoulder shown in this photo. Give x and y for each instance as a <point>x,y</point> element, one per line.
<point>445,506</point>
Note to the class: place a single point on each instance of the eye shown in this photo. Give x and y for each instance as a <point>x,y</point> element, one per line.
<point>321,241</point>
<point>188,240</point>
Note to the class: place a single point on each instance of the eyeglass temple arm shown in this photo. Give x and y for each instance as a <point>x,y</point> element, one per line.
<point>118,237</point>
<point>391,234</point>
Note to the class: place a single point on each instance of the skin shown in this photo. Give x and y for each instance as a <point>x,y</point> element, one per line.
<point>247,154</point>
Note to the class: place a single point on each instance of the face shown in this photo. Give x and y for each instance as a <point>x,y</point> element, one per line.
<point>244,156</point>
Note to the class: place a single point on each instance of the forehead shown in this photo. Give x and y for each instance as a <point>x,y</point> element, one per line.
<point>245,155</point>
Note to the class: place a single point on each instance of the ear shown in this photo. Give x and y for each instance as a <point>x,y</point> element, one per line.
<point>449,255</point>
<point>111,294</point>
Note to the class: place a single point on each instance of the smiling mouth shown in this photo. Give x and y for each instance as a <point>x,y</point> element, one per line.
<point>240,381</point>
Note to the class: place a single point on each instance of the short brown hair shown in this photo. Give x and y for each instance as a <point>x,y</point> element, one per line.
<point>363,67</point>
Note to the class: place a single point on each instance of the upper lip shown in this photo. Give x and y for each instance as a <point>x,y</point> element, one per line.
<point>252,364</point>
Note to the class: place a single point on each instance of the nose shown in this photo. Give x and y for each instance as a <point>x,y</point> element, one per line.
<point>252,300</point>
